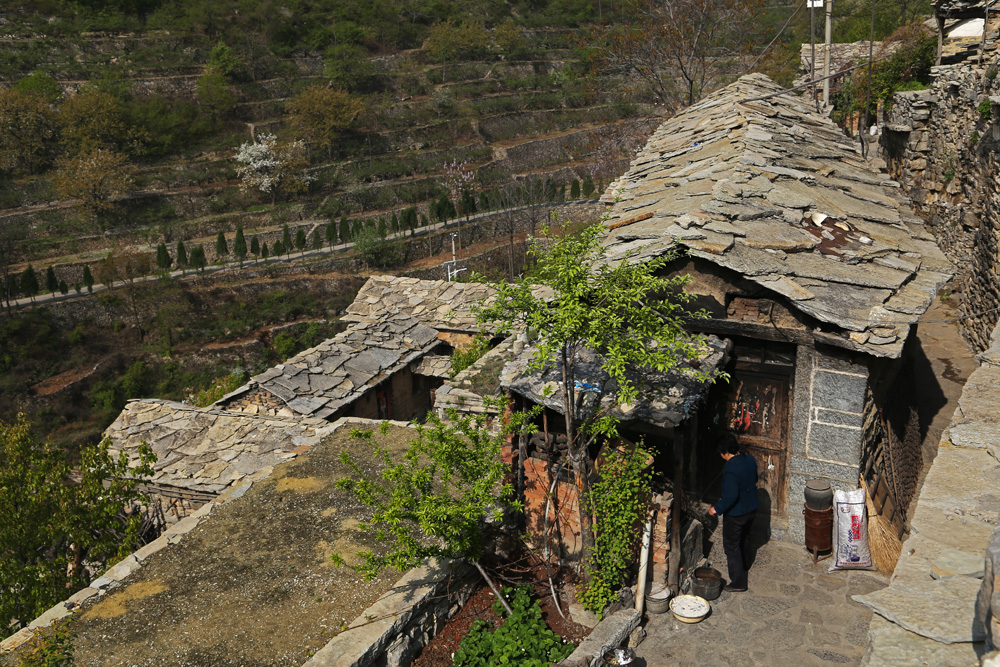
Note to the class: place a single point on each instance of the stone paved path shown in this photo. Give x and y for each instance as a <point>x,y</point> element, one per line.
<point>794,614</point>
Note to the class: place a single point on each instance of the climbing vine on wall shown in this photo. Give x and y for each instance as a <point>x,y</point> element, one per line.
<point>620,500</point>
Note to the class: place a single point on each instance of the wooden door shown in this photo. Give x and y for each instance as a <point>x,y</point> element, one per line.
<point>757,412</point>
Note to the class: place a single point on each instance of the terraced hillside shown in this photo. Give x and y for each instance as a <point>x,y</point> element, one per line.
<point>517,108</point>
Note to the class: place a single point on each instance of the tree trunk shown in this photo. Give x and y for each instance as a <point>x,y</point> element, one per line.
<point>579,460</point>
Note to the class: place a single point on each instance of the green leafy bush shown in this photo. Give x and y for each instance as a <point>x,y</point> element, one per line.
<point>985,110</point>
<point>524,639</point>
<point>463,358</point>
<point>619,499</point>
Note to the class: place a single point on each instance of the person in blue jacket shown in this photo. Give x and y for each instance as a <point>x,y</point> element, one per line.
<point>737,505</point>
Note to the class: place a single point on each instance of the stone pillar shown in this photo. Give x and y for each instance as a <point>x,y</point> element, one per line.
<point>827,420</point>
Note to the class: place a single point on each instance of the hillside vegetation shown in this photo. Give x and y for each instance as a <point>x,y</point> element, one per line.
<point>142,135</point>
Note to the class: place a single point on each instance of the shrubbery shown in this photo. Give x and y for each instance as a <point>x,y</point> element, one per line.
<point>524,639</point>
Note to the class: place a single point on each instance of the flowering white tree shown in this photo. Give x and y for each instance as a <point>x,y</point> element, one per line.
<point>271,166</point>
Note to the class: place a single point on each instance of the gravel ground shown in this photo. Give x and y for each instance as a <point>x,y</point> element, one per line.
<point>251,586</point>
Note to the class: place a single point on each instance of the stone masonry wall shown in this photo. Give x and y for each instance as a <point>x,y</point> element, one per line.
<point>941,149</point>
<point>827,419</point>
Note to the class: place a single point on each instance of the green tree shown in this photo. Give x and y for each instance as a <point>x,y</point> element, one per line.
<point>163,260</point>
<point>197,258</point>
<point>286,239</point>
<point>221,247</point>
<point>42,85</point>
<point>588,187</point>
<point>450,477</point>
<point>27,131</point>
<point>330,232</point>
<point>509,39</point>
<point>88,278</point>
<point>300,239</point>
<point>445,209</point>
<point>63,287</point>
<point>49,526</point>
<point>448,41</point>
<point>222,60</point>
<point>97,179</point>
<point>94,120</point>
<point>278,248</point>
<point>215,94</point>
<point>29,282</point>
<point>263,250</point>
<point>182,258</point>
<point>627,313</point>
<point>255,246</point>
<point>317,241</point>
<point>240,245</point>
<point>319,115</point>
<point>381,230</point>
<point>51,283</point>
<point>347,66</point>
<point>375,250</point>
<point>345,230</point>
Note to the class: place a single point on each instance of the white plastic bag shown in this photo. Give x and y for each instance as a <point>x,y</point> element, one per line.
<point>850,532</point>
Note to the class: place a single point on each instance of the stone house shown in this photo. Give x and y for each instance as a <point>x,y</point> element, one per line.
<point>812,263</point>
<point>386,365</point>
<point>201,452</point>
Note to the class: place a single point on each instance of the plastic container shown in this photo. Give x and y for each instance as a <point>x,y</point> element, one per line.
<point>658,599</point>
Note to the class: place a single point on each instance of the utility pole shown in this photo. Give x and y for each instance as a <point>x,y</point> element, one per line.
<point>813,4</point>
<point>826,54</point>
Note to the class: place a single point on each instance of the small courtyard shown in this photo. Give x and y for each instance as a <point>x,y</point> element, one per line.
<point>795,613</point>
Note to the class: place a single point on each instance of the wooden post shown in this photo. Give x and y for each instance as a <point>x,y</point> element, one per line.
<point>674,569</point>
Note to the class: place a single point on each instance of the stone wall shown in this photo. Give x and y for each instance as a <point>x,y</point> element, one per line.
<point>827,418</point>
<point>942,150</point>
<point>392,631</point>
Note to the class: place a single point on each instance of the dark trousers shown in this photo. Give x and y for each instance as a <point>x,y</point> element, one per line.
<point>736,544</point>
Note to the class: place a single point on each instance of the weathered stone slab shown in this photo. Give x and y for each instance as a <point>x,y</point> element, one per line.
<point>889,644</point>
<point>52,615</point>
<point>582,616</point>
<point>609,633</point>
<point>954,563</point>
<point>942,610</point>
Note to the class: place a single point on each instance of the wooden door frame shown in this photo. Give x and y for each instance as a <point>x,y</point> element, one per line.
<point>784,377</point>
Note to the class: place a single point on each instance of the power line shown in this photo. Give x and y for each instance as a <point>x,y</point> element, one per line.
<point>777,36</point>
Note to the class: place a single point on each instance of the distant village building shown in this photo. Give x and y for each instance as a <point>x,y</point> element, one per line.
<point>386,365</point>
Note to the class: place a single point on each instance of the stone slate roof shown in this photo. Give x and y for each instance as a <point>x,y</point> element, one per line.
<point>665,399</point>
<point>775,192</point>
<point>438,303</point>
<point>325,378</point>
<point>205,449</point>
<point>434,365</point>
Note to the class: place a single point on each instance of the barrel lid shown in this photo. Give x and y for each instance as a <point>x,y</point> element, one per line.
<point>818,485</point>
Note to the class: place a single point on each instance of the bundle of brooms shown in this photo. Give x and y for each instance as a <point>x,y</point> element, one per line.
<point>883,541</point>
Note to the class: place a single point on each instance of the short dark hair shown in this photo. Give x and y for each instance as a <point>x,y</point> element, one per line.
<point>728,444</point>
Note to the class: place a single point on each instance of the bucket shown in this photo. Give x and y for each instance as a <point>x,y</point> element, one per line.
<point>658,599</point>
<point>706,583</point>
<point>819,529</point>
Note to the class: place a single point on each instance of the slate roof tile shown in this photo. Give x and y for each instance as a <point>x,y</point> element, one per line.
<point>737,181</point>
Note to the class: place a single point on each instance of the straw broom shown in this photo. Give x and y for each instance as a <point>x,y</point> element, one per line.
<point>883,542</point>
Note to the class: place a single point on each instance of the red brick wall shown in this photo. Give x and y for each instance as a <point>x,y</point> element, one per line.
<point>564,515</point>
